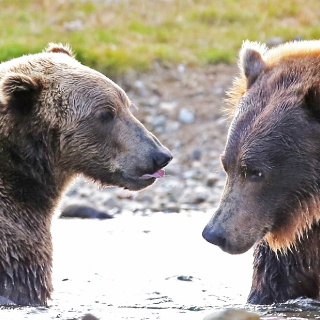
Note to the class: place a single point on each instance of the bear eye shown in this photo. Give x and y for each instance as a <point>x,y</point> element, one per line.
<point>254,175</point>
<point>106,116</point>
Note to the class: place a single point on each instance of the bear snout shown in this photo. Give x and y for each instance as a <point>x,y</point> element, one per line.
<point>218,236</point>
<point>230,232</point>
<point>161,158</point>
<point>215,235</point>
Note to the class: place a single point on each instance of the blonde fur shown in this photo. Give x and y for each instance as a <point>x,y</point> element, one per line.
<point>271,57</point>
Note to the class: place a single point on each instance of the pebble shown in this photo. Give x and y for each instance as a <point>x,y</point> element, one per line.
<point>186,116</point>
<point>168,106</point>
<point>83,212</point>
<point>159,121</point>
<point>90,316</point>
<point>195,155</point>
<point>232,314</point>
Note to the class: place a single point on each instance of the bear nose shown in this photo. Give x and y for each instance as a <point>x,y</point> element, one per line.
<point>161,158</point>
<point>216,236</point>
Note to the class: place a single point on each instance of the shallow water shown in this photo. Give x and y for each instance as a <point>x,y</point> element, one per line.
<point>154,267</point>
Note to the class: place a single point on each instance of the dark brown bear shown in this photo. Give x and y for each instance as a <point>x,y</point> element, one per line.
<point>58,119</point>
<point>272,160</point>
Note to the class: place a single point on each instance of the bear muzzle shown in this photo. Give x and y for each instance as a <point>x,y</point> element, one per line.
<point>160,160</point>
<point>218,236</point>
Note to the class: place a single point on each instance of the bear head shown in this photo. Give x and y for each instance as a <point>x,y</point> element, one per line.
<point>81,119</point>
<point>272,156</point>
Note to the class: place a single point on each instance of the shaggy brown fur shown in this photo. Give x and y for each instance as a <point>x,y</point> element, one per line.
<point>272,160</point>
<point>58,119</point>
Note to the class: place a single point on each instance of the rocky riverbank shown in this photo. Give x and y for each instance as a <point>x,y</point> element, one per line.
<point>184,108</point>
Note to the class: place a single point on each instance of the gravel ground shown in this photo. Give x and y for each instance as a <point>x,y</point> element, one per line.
<point>184,108</point>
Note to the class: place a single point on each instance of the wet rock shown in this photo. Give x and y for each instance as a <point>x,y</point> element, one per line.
<point>195,155</point>
<point>169,207</point>
<point>83,212</point>
<point>185,278</point>
<point>232,314</point>
<point>186,116</point>
<point>90,316</point>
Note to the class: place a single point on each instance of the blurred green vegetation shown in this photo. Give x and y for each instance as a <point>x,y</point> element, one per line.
<point>116,35</point>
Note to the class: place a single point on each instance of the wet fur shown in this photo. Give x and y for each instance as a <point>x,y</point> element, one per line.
<point>275,105</point>
<point>58,119</point>
<point>279,276</point>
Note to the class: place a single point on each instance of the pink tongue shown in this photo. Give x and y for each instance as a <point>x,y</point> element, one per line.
<point>159,174</point>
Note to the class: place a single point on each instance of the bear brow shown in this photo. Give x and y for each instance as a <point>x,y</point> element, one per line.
<point>123,98</point>
<point>115,101</point>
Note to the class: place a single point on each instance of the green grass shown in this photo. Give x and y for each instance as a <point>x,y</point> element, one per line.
<point>115,36</point>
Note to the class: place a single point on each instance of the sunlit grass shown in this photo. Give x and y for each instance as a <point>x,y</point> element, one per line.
<point>117,35</point>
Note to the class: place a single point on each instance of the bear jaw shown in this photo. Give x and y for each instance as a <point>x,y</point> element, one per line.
<point>287,237</point>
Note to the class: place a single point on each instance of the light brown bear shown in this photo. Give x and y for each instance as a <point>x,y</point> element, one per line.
<point>272,159</point>
<point>58,119</point>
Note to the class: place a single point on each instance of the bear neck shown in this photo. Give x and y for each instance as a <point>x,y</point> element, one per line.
<point>284,275</point>
<point>30,187</point>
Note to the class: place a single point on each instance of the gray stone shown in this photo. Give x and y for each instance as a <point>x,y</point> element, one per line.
<point>195,155</point>
<point>168,106</point>
<point>159,121</point>
<point>83,212</point>
<point>186,116</point>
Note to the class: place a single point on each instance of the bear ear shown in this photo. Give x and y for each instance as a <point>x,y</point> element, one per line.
<point>18,93</point>
<point>251,61</point>
<point>312,100</point>
<point>59,48</point>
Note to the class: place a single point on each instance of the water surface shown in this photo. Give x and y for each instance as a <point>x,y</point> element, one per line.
<point>153,267</point>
